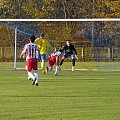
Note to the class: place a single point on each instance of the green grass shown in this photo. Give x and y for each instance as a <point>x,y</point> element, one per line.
<point>79,65</point>
<point>78,95</point>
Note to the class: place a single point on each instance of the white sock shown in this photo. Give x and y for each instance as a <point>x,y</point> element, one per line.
<point>57,69</point>
<point>31,75</point>
<point>72,68</point>
<point>36,76</point>
<point>49,68</point>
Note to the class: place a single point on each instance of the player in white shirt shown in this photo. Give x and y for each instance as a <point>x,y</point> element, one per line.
<point>54,59</point>
<point>31,51</point>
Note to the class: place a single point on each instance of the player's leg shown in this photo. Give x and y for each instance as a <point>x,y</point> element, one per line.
<point>48,68</point>
<point>36,76</point>
<point>73,62</point>
<point>57,66</point>
<point>57,69</point>
<point>34,66</point>
<point>29,69</point>
<point>51,62</point>
<point>63,59</point>
<point>43,57</point>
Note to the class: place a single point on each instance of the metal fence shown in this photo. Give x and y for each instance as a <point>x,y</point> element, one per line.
<point>85,54</point>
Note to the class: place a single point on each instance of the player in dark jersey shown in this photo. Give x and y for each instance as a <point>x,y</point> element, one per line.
<point>69,51</point>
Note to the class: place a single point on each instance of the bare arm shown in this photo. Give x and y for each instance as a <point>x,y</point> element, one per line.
<point>22,54</point>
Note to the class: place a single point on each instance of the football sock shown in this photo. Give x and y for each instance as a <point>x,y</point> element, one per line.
<point>49,68</point>
<point>73,62</point>
<point>61,62</point>
<point>31,75</point>
<point>36,76</point>
<point>43,65</point>
<point>72,68</point>
<point>57,69</point>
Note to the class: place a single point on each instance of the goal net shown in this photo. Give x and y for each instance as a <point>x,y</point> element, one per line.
<point>97,41</point>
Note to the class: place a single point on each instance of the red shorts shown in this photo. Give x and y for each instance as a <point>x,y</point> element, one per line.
<point>51,61</point>
<point>31,64</point>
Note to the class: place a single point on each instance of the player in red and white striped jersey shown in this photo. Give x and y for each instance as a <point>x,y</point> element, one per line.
<point>31,51</point>
<point>54,59</point>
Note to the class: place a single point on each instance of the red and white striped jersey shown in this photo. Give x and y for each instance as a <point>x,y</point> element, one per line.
<point>31,50</point>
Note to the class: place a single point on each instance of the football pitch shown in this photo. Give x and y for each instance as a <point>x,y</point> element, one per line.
<point>78,95</point>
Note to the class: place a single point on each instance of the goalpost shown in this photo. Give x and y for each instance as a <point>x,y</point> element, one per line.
<point>13,36</point>
<point>15,47</point>
<point>96,40</point>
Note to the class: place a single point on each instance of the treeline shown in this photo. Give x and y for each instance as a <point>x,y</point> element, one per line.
<point>59,9</point>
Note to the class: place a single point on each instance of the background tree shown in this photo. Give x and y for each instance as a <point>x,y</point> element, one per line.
<point>106,9</point>
<point>59,9</point>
